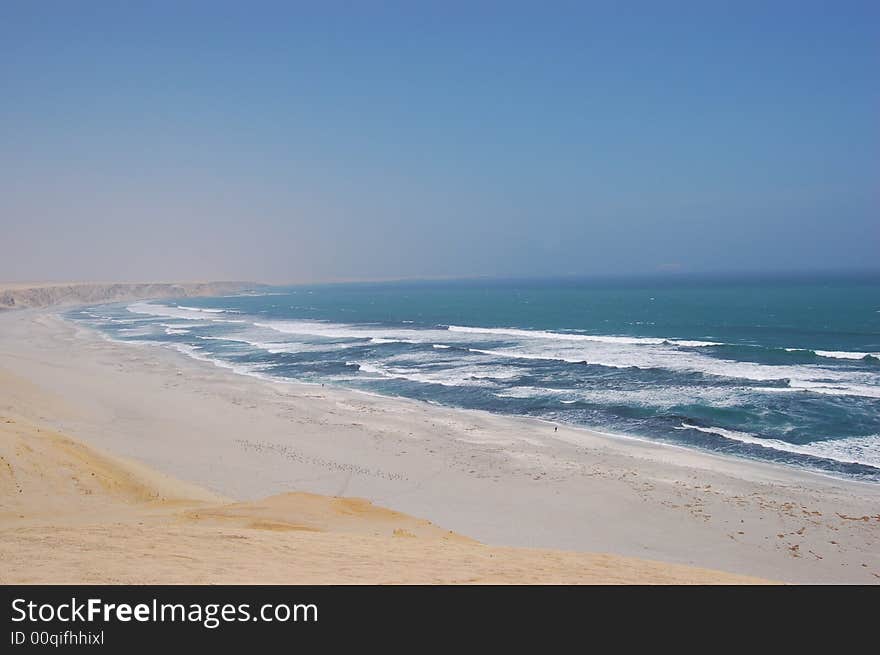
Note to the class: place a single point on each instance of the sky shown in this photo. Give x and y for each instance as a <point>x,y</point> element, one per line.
<point>301,142</point>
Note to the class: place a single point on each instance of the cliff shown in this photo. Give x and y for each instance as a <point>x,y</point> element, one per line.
<point>18,295</point>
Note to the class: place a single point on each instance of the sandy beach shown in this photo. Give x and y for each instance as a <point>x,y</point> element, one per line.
<point>75,515</point>
<point>134,463</point>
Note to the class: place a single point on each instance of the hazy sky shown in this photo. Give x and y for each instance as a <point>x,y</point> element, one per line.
<point>287,142</point>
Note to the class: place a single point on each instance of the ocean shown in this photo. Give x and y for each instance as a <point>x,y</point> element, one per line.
<point>785,369</point>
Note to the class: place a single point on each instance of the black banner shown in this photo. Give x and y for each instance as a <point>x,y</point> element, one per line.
<point>133,619</point>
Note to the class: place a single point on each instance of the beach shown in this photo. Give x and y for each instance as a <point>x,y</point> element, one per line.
<point>72,514</point>
<point>500,481</point>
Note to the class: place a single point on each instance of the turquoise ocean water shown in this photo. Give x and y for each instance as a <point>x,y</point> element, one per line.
<point>784,369</point>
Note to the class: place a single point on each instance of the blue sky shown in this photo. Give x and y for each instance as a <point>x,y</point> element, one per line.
<point>287,142</point>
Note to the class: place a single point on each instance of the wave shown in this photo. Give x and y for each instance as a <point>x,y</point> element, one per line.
<point>524,355</point>
<point>415,335</point>
<point>848,450</point>
<point>277,347</point>
<point>568,336</point>
<point>616,352</point>
<point>136,331</point>
<point>183,326</point>
<point>836,354</point>
<point>864,390</point>
<point>336,330</point>
<point>194,352</point>
<point>658,397</point>
<point>561,336</point>
<point>366,367</point>
<point>377,335</point>
<point>809,378</point>
<point>527,393</point>
<point>645,341</point>
<point>448,377</point>
<point>382,340</point>
<point>208,310</point>
<point>185,313</point>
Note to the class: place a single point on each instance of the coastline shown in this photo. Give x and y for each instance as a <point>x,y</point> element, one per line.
<point>18,295</point>
<point>501,480</point>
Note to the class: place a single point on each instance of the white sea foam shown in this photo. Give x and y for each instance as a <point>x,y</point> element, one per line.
<point>836,354</point>
<point>366,367</point>
<point>188,314</point>
<point>557,336</point>
<point>382,340</point>
<point>137,331</point>
<point>374,334</point>
<point>526,392</point>
<point>186,349</point>
<point>660,397</point>
<point>277,347</point>
<point>849,450</point>
<point>519,354</point>
<point>618,352</point>
<point>318,329</point>
<point>643,341</point>
<point>195,353</point>
<point>808,377</point>
<point>449,377</point>
<point>569,336</point>
<point>208,310</point>
<point>831,389</point>
<point>183,326</point>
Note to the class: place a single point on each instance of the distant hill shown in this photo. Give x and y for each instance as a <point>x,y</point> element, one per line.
<point>18,295</point>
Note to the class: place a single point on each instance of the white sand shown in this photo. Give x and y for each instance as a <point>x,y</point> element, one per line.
<point>500,480</point>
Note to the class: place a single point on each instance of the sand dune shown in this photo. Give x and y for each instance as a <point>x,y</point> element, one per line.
<point>71,514</point>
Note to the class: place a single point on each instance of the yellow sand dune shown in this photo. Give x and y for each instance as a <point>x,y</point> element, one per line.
<point>71,514</point>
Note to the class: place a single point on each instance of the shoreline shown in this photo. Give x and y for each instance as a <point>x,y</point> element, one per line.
<point>500,479</point>
<point>587,431</point>
<point>849,457</point>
